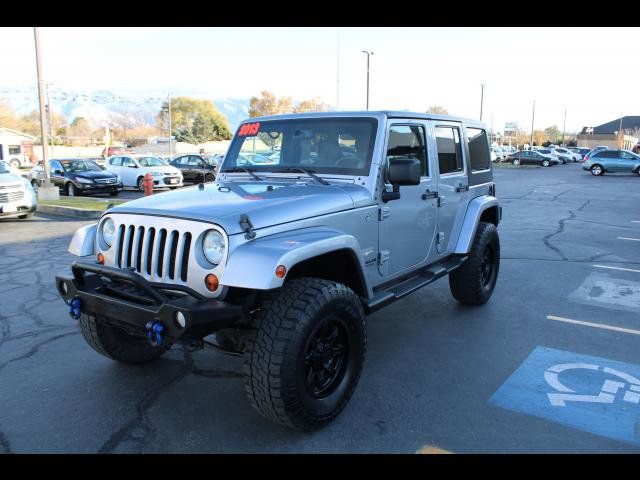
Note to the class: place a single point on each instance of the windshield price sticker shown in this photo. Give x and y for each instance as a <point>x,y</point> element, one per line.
<point>249,129</point>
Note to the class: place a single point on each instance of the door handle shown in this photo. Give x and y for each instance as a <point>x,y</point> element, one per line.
<point>462,188</point>
<point>429,194</point>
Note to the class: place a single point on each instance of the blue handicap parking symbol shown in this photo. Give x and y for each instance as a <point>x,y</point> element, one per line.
<point>593,394</point>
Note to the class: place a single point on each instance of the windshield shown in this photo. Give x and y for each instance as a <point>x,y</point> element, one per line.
<point>151,162</point>
<point>73,166</point>
<point>342,146</point>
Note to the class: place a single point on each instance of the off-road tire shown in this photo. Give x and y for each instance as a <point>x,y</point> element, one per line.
<point>466,282</point>
<point>279,340</point>
<point>116,344</point>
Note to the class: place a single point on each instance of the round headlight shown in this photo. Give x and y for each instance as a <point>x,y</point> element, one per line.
<point>213,246</point>
<point>108,231</point>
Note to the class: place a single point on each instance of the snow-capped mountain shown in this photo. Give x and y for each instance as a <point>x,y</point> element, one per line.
<point>103,106</point>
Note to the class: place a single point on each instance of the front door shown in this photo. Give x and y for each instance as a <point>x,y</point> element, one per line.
<point>57,173</point>
<point>453,183</point>
<point>407,224</point>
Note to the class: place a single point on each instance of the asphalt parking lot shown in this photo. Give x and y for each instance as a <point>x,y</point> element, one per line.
<point>438,376</point>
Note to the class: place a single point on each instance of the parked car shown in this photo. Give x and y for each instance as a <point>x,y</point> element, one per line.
<point>116,150</point>
<point>612,161</point>
<point>532,157</point>
<point>77,176</point>
<point>551,153</point>
<point>494,157</point>
<point>500,154</point>
<point>17,198</point>
<point>197,168</point>
<point>133,168</point>
<point>581,152</point>
<point>566,154</point>
<point>10,167</point>
<point>281,263</point>
<point>594,150</point>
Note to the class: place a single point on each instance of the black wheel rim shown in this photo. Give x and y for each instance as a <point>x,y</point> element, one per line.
<point>487,267</point>
<point>326,357</point>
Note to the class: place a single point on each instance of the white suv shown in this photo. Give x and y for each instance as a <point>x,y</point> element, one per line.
<point>132,169</point>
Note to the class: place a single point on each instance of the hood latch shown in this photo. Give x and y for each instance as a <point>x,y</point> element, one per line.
<point>247,227</point>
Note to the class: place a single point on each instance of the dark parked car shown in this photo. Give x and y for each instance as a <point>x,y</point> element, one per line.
<point>532,157</point>
<point>196,168</point>
<point>78,176</point>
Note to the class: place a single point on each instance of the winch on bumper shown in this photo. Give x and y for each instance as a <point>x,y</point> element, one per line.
<point>128,300</point>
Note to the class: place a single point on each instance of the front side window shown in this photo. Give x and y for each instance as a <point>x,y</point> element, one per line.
<point>449,150</point>
<point>342,146</point>
<point>117,161</point>
<point>151,162</point>
<point>408,141</point>
<point>128,162</point>
<point>478,149</point>
<point>55,166</point>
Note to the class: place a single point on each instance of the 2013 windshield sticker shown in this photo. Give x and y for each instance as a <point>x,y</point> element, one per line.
<point>249,129</point>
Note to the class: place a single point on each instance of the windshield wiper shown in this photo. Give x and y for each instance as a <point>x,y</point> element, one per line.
<point>242,169</point>
<point>304,170</point>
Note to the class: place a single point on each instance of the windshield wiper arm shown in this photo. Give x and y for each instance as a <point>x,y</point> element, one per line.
<point>308,172</point>
<point>242,169</point>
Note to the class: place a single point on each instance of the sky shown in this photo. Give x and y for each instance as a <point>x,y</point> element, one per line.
<point>593,73</point>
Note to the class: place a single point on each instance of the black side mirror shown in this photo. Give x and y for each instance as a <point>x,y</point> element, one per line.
<point>402,171</point>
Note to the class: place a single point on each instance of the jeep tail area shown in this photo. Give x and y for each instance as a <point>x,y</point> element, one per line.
<point>314,221</point>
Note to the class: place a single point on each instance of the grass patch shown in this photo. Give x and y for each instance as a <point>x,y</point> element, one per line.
<point>87,204</point>
<point>511,165</point>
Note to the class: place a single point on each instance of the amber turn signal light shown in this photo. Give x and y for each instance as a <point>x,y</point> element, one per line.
<point>281,271</point>
<point>101,259</point>
<point>211,281</point>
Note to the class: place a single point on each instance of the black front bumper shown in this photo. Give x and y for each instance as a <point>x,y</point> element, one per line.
<point>126,299</point>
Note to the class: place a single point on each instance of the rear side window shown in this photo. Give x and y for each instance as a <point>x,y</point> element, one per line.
<point>449,149</point>
<point>478,149</point>
<point>606,154</point>
<point>408,141</point>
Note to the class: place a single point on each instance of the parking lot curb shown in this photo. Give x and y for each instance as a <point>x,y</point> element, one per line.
<point>70,211</point>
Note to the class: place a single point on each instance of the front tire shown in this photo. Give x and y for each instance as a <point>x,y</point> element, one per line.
<point>72,191</point>
<point>14,163</point>
<point>545,163</point>
<point>116,344</point>
<point>516,161</point>
<point>305,353</point>
<point>474,281</point>
<point>140,184</point>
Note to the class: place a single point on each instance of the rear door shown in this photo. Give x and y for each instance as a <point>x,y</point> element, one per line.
<point>453,182</point>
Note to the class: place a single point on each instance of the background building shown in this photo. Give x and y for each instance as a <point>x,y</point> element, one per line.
<point>623,132</point>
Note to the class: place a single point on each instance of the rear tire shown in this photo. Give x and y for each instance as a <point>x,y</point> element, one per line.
<point>597,170</point>
<point>116,344</point>
<point>474,281</point>
<point>209,178</point>
<point>305,353</point>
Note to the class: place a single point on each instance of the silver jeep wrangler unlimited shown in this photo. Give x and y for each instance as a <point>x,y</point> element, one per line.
<point>314,221</point>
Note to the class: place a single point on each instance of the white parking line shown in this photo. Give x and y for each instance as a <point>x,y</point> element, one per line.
<point>617,268</point>
<point>595,325</point>
<point>627,238</point>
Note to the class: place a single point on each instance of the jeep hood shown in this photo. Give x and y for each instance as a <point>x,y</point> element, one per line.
<point>266,203</point>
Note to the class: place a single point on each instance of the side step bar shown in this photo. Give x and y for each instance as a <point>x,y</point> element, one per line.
<point>390,293</point>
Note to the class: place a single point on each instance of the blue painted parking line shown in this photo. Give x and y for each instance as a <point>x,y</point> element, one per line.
<point>592,394</point>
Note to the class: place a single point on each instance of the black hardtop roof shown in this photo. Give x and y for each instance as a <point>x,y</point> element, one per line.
<point>367,113</point>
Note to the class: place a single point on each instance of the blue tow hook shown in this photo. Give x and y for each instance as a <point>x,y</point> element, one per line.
<point>154,333</point>
<point>74,308</point>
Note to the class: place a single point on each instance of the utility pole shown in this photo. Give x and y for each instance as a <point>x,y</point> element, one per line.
<point>170,142</point>
<point>481,99</point>
<point>533,116</point>
<point>564,126</point>
<point>338,70</point>
<point>49,118</point>
<point>368,55</point>
<point>621,133</point>
<point>46,191</point>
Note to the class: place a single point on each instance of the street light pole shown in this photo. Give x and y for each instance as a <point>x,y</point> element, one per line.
<point>368,55</point>
<point>564,125</point>
<point>481,99</point>
<point>533,116</point>
<point>43,133</point>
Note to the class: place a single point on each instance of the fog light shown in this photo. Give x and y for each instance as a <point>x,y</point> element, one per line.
<point>281,271</point>
<point>101,259</point>
<point>211,281</point>
<point>181,320</point>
